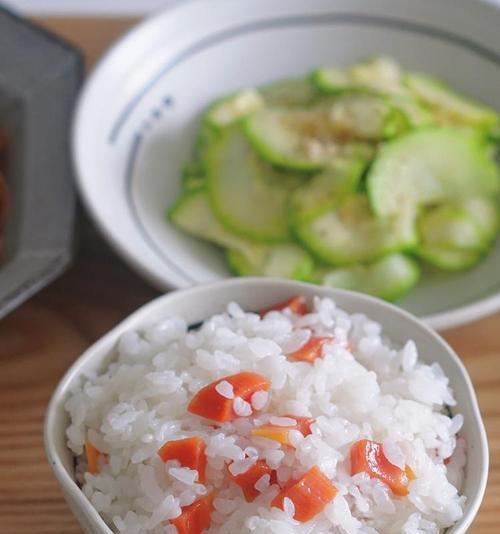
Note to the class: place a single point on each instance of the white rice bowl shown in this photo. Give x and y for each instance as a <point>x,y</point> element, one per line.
<point>374,391</point>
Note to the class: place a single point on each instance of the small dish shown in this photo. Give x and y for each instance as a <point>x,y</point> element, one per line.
<point>137,117</point>
<point>39,78</point>
<point>198,303</point>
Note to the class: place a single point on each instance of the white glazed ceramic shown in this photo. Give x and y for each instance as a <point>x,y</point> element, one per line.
<point>199,303</point>
<point>139,113</point>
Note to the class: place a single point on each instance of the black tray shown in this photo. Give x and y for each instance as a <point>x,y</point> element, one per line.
<point>39,79</point>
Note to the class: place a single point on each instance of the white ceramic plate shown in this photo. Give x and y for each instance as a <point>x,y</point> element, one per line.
<point>139,112</point>
<point>199,303</point>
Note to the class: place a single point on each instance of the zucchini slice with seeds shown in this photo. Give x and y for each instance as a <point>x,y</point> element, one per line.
<point>194,214</point>
<point>449,259</point>
<point>429,166</point>
<point>352,233</point>
<point>449,106</point>
<point>248,196</point>
<point>378,74</point>
<point>416,114</point>
<point>485,212</point>
<point>454,236</point>
<point>289,93</point>
<point>307,139</point>
<point>298,139</point>
<point>283,260</point>
<point>326,190</point>
<point>449,226</point>
<point>366,116</point>
<point>230,109</point>
<point>389,278</point>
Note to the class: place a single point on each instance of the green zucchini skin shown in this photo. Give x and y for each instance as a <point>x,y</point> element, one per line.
<point>381,75</point>
<point>285,149</point>
<point>449,106</point>
<point>454,260</point>
<point>364,170</point>
<point>228,110</point>
<point>389,278</point>
<point>456,236</point>
<point>193,214</point>
<point>326,190</point>
<point>307,139</point>
<point>287,260</point>
<point>412,169</point>
<point>193,176</point>
<point>249,196</point>
<point>291,92</point>
<point>352,233</point>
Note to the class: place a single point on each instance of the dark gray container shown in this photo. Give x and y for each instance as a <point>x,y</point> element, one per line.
<point>39,79</point>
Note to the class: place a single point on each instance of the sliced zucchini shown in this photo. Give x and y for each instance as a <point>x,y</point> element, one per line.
<point>494,133</point>
<point>332,80</point>
<point>352,233</point>
<point>206,136</point>
<point>193,181</point>
<point>194,214</point>
<point>230,109</point>
<point>449,226</point>
<point>306,139</point>
<point>297,139</point>
<point>249,196</point>
<point>450,259</point>
<point>191,168</point>
<point>379,74</point>
<point>485,212</point>
<point>416,114</point>
<point>326,190</point>
<point>454,236</point>
<point>366,116</point>
<point>429,166</point>
<point>193,171</point>
<point>389,278</point>
<point>192,175</point>
<point>289,93</point>
<point>286,260</point>
<point>449,106</point>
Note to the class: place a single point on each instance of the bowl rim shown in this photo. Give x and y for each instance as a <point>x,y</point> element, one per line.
<point>145,312</point>
<point>449,318</point>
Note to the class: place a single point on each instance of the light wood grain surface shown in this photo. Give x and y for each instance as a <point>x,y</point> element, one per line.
<point>39,341</point>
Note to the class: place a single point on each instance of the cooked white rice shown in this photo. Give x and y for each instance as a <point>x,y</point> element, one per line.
<point>376,391</point>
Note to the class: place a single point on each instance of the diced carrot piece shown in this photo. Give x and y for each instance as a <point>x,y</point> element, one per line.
<point>303,424</point>
<point>309,495</point>
<point>296,305</point>
<point>281,434</point>
<point>246,481</point>
<point>189,452</point>
<point>93,456</point>
<point>212,405</point>
<point>368,456</point>
<point>196,517</point>
<point>312,350</point>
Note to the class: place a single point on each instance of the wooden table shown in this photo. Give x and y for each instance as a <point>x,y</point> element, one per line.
<point>39,341</point>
